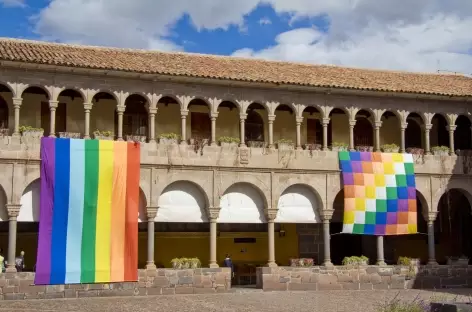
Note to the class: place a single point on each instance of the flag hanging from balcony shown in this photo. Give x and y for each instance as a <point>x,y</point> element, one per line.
<point>379,193</point>
<point>88,229</point>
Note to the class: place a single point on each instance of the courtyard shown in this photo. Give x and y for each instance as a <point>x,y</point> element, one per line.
<point>240,300</point>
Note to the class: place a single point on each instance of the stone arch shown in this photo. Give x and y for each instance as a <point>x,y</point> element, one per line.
<point>242,202</point>
<point>259,104</point>
<point>3,203</point>
<point>7,86</point>
<point>182,201</point>
<point>75,89</point>
<point>44,89</point>
<point>299,203</point>
<point>30,202</point>
<point>200,99</point>
<point>228,100</point>
<point>104,91</point>
<point>292,106</point>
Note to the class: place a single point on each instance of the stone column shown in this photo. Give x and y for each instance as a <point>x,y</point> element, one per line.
<point>120,110</point>
<point>13,210</point>
<point>271,214</point>
<point>52,119</point>
<point>213,117</point>
<point>377,126</point>
<point>299,121</point>
<point>325,123</point>
<point>270,120</point>
<point>352,123</point>
<point>326,216</point>
<point>242,120</point>
<point>152,125</point>
<point>16,106</point>
<point>380,251</point>
<point>151,215</point>
<point>214,212</point>
<point>451,130</point>
<point>427,129</point>
<point>183,117</point>
<point>87,109</point>
<point>402,136</point>
<point>431,247</point>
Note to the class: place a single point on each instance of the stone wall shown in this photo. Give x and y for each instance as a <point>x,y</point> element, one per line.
<point>364,277</point>
<point>17,286</point>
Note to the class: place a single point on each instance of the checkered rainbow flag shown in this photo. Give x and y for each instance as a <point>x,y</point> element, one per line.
<point>379,193</point>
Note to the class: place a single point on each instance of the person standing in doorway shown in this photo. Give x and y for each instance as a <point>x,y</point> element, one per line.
<point>229,264</point>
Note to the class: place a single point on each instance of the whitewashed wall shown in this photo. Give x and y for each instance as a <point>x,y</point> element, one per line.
<point>241,203</point>
<point>298,204</point>
<point>181,202</point>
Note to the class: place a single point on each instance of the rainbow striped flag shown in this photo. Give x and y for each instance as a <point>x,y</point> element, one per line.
<point>88,229</point>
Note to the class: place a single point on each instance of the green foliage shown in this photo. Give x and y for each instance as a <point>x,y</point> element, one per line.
<point>103,133</point>
<point>24,129</point>
<point>284,141</point>
<point>355,260</point>
<point>441,148</point>
<point>397,305</point>
<point>390,147</point>
<point>186,263</point>
<point>227,139</point>
<point>405,261</point>
<point>339,145</point>
<point>169,136</point>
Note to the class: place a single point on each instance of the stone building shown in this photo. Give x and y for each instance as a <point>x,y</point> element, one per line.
<point>273,196</point>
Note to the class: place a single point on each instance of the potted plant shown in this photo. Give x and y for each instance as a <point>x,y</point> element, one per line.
<point>28,131</point>
<point>415,151</point>
<point>390,148</point>
<point>256,144</point>
<point>354,260</point>
<point>312,147</point>
<point>102,135</point>
<point>440,150</point>
<point>226,141</point>
<point>135,138</point>
<point>285,144</point>
<point>70,135</point>
<point>185,263</point>
<point>176,263</point>
<point>169,138</point>
<point>364,148</point>
<point>195,263</point>
<point>339,147</point>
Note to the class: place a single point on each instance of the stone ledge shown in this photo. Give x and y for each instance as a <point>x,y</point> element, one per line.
<point>18,286</point>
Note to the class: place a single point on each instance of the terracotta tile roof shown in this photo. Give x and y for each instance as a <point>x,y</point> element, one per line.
<point>232,68</point>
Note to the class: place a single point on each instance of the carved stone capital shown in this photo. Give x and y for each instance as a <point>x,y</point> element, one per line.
<point>53,105</point>
<point>183,113</point>
<point>213,116</point>
<point>299,120</point>
<point>17,102</point>
<point>151,212</point>
<point>13,209</point>
<point>271,214</point>
<point>242,116</point>
<point>120,109</point>
<point>352,123</point>
<point>451,128</point>
<point>88,106</point>
<point>271,118</point>
<point>325,122</point>
<point>152,111</point>
<point>403,125</point>
<point>327,214</point>
<point>377,124</point>
<point>427,127</point>
<point>431,216</point>
<point>213,213</point>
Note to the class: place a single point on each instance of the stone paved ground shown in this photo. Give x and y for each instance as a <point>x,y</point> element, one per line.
<point>240,301</point>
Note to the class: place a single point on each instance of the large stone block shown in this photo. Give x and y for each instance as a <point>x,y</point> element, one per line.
<point>305,287</point>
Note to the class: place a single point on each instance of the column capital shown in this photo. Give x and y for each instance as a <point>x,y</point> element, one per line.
<point>403,125</point>
<point>17,102</point>
<point>327,214</point>
<point>152,111</point>
<point>451,128</point>
<point>213,213</point>
<point>120,109</point>
<point>352,123</point>
<point>242,116</point>
<point>325,121</point>
<point>428,127</point>
<point>88,106</point>
<point>377,124</point>
<point>13,209</point>
<point>53,104</point>
<point>431,216</point>
<point>183,113</point>
<point>271,118</point>
<point>213,115</point>
<point>151,213</point>
<point>299,120</point>
<point>271,214</point>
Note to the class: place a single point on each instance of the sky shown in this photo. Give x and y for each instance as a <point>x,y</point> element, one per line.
<point>413,35</point>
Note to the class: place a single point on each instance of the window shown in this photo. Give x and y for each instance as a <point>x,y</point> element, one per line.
<point>201,125</point>
<point>254,127</point>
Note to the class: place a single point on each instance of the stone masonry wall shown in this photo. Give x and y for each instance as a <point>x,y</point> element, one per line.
<point>364,277</point>
<point>17,286</point>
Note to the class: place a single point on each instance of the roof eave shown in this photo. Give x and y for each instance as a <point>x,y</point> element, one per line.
<point>228,82</point>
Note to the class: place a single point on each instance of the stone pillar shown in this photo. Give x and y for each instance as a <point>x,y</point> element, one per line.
<point>152,125</point>
<point>451,130</point>
<point>242,120</point>
<point>213,117</point>
<point>402,136</point>
<point>87,109</point>
<point>380,251</point>
<point>120,110</point>
<point>16,106</point>
<point>213,237</point>
<point>299,121</point>
<point>352,123</point>
<point>13,210</point>
<point>326,216</point>
<point>183,117</point>
<point>325,123</point>
<point>271,214</point>
<point>377,126</point>
<point>427,129</point>
<point>270,120</point>
<point>431,246</point>
<point>52,119</point>
<point>151,215</point>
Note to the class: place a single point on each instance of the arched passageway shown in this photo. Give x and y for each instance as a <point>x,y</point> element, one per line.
<point>413,132</point>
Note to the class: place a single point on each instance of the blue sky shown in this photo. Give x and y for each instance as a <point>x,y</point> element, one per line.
<point>420,35</point>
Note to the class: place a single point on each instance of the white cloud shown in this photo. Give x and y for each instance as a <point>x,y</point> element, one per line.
<point>265,21</point>
<point>401,34</point>
<point>13,3</point>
